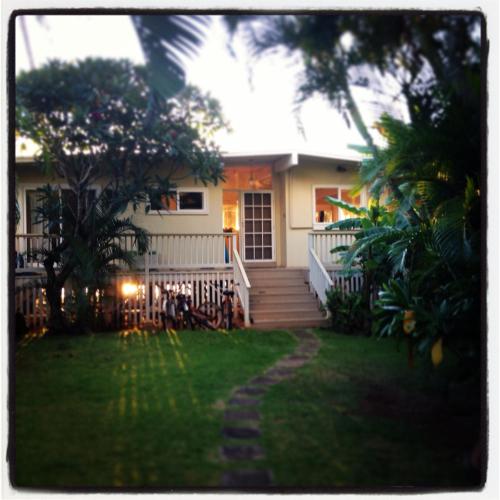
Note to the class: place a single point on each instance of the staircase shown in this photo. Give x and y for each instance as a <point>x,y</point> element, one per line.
<point>280,298</point>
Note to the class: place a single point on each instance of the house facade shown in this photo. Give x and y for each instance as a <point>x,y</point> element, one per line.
<point>269,216</point>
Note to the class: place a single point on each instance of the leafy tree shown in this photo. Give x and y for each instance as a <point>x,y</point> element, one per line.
<point>429,171</point>
<point>372,260</point>
<point>429,265</point>
<point>95,126</point>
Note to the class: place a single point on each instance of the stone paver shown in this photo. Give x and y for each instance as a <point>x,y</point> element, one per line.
<point>263,380</point>
<point>304,335</point>
<point>280,372</point>
<point>242,452</point>
<point>244,402</point>
<point>307,349</point>
<point>298,357</point>
<point>247,479</point>
<point>291,363</point>
<point>246,419</point>
<point>241,415</point>
<point>240,432</point>
<point>249,390</point>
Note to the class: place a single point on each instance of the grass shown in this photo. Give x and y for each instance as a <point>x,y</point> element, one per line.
<point>139,409</point>
<point>360,417</point>
<point>132,410</point>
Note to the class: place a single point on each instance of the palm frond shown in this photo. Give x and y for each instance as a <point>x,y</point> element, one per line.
<point>346,224</point>
<point>449,230</point>
<point>348,207</point>
<point>166,40</point>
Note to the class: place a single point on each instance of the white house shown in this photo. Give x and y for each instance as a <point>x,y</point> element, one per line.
<point>262,230</point>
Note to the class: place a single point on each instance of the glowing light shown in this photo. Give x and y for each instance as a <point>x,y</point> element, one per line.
<point>129,288</point>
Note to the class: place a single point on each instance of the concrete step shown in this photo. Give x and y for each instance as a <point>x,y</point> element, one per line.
<point>279,298</point>
<point>300,289</point>
<point>313,315</point>
<point>276,273</point>
<point>279,324</point>
<point>284,308</point>
<point>281,281</point>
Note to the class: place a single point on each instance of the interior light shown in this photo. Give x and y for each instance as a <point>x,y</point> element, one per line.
<point>129,288</point>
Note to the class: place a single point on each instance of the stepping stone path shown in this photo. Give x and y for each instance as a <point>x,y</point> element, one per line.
<point>242,417</point>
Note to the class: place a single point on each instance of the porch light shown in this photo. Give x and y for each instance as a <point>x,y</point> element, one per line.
<point>252,182</point>
<point>129,288</point>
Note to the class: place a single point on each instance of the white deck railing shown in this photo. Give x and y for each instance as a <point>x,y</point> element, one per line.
<point>242,285</point>
<point>197,264</point>
<point>30,247</point>
<point>323,263</point>
<point>190,250</point>
<point>166,251</point>
<point>319,280</point>
<point>324,241</point>
<point>348,283</point>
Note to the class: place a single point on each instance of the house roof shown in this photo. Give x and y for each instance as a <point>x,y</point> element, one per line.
<point>280,160</point>
<point>285,160</point>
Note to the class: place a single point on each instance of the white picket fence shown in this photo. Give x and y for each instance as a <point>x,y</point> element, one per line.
<point>139,297</point>
<point>30,300</point>
<point>130,299</point>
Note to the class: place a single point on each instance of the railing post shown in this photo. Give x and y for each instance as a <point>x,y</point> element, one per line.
<point>234,246</point>
<point>246,311</point>
<point>146,282</point>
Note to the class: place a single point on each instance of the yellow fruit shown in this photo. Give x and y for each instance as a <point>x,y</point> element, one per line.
<point>409,322</point>
<point>437,352</point>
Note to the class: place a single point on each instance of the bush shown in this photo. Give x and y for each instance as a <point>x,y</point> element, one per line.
<point>347,311</point>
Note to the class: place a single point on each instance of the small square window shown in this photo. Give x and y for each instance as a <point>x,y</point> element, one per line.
<point>164,202</point>
<point>190,200</point>
<point>181,200</point>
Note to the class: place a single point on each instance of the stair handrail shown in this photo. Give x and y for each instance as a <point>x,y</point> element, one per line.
<point>242,285</point>
<point>319,279</point>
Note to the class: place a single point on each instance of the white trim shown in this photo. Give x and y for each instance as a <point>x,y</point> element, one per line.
<point>242,226</point>
<point>286,162</point>
<point>185,189</point>
<point>320,226</point>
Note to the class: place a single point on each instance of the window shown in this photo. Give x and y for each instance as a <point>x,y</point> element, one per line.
<point>248,177</point>
<point>34,202</point>
<point>325,213</point>
<point>181,201</point>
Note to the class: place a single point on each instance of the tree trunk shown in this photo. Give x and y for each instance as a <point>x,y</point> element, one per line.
<point>57,323</point>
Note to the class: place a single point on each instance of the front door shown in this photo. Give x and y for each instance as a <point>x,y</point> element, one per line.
<point>258,240</point>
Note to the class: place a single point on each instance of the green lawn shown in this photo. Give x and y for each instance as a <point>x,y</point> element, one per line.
<point>146,410</point>
<point>360,417</point>
<point>142,409</point>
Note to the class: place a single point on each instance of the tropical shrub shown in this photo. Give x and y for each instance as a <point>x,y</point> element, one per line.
<point>347,311</point>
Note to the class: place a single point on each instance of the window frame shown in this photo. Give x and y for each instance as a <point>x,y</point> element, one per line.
<point>320,226</point>
<point>33,186</point>
<point>179,211</point>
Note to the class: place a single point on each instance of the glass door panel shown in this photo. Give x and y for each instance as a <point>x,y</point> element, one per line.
<point>258,226</point>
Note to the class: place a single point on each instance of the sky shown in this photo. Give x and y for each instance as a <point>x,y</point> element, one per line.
<point>257,95</point>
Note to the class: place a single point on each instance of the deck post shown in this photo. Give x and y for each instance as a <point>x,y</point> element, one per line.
<point>146,285</point>
<point>234,243</point>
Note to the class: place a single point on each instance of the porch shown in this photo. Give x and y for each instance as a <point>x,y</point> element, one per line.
<point>199,265</point>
